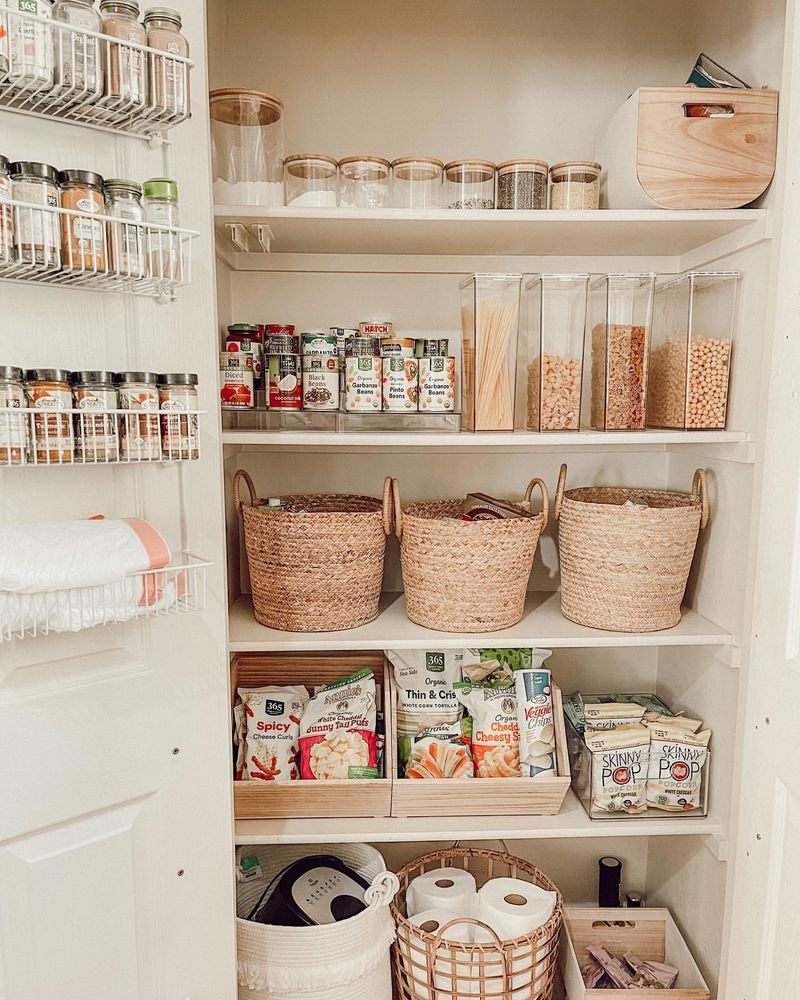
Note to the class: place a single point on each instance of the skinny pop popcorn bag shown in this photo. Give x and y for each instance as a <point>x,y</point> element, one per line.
<point>677,757</point>
<point>620,759</point>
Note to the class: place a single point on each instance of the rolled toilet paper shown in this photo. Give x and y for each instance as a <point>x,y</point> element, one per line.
<point>450,889</point>
<point>513,907</point>
<point>444,981</point>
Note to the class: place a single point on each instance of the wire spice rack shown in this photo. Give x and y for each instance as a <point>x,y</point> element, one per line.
<point>150,594</point>
<point>68,73</point>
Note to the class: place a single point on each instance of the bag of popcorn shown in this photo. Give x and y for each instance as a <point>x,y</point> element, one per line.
<point>495,729</point>
<point>620,759</point>
<point>338,736</point>
<point>272,726</point>
<point>677,757</point>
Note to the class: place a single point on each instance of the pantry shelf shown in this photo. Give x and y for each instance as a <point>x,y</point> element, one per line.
<point>572,822</point>
<point>542,625</point>
<point>251,233</point>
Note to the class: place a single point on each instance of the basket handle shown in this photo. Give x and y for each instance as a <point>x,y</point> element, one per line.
<point>237,499</point>
<point>465,920</point>
<point>398,510</point>
<point>503,844</point>
<point>700,487</point>
<point>387,506</point>
<point>562,482</point>
<point>545,498</point>
<point>383,889</point>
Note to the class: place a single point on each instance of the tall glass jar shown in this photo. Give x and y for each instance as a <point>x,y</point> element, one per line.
<point>163,247</point>
<point>78,72</point>
<point>126,238</point>
<point>469,184</point>
<point>48,392</point>
<point>364,182</point>
<point>168,78</point>
<point>140,435</point>
<point>13,423</point>
<point>124,65</point>
<point>97,435</point>
<point>247,147</point>
<point>83,239</point>
<point>312,180</point>
<point>177,393</point>
<point>36,231</point>
<point>6,214</point>
<point>30,44</point>
<point>417,182</point>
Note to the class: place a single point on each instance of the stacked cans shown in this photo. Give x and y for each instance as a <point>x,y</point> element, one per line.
<point>321,390</point>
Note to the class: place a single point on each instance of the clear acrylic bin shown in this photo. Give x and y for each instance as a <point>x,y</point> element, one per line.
<point>247,147</point>
<point>690,355</point>
<point>551,375</point>
<point>490,332</point>
<point>621,311</point>
<point>340,422</point>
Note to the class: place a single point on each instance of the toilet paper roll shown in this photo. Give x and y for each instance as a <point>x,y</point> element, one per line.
<point>513,907</point>
<point>445,965</point>
<point>523,983</point>
<point>450,889</point>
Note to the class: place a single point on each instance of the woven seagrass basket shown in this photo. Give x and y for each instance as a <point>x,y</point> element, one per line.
<point>462,576</point>
<point>625,568</point>
<point>320,570</point>
<point>428,965</point>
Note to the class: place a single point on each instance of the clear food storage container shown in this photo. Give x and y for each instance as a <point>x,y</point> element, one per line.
<point>555,327</point>
<point>247,147</point>
<point>311,180</point>
<point>417,182</point>
<point>575,185</point>
<point>469,184</point>
<point>621,310</point>
<point>522,184</point>
<point>364,182</point>
<point>690,355</point>
<point>490,331</point>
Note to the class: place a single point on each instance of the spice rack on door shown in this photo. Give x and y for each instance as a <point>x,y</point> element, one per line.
<point>36,84</point>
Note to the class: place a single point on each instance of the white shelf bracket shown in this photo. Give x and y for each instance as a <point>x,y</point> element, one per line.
<point>155,141</point>
<point>717,843</point>
<point>730,656</point>
<point>264,235</point>
<point>237,233</point>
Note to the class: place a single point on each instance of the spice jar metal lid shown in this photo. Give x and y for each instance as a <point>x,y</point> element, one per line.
<point>162,14</point>
<point>160,187</point>
<point>47,375</point>
<point>130,6</point>
<point>92,377</point>
<point>177,378</point>
<point>244,108</point>
<point>585,164</point>
<point>27,168</point>
<point>88,177</point>
<point>122,184</point>
<point>507,165</point>
<point>149,378</point>
<point>11,373</point>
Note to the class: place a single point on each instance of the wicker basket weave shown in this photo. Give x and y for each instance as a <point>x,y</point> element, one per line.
<point>625,568</point>
<point>462,576</point>
<point>429,966</point>
<point>320,570</point>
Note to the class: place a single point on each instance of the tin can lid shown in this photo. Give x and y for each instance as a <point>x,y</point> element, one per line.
<point>244,328</point>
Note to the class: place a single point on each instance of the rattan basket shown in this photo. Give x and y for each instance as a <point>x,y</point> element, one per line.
<point>429,966</point>
<point>625,568</point>
<point>462,576</point>
<point>316,571</point>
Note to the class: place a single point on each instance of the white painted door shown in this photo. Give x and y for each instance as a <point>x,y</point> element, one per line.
<point>764,944</point>
<point>115,801</point>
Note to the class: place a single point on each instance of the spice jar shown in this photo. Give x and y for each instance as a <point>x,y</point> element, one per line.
<point>83,240</point>
<point>124,67</point>
<point>37,238</point>
<point>417,182</point>
<point>364,182</point>
<point>13,426</point>
<point>469,184</point>
<point>77,55</point>
<point>30,44</point>
<point>575,185</point>
<point>163,246</point>
<point>311,180</point>
<point>522,184</point>
<point>168,76</point>
<point>247,147</point>
<point>6,214</point>
<point>97,437</point>
<point>48,390</point>
<point>177,396</point>
<point>140,438</point>
<point>125,239</point>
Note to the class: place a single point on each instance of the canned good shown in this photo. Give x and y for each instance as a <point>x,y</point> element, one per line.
<point>319,343</point>
<point>247,338</point>
<point>343,336</point>
<point>321,382</point>
<point>364,378</point>
<point>280,339</point>
<point>363,347</point>
<point>236,380</point>
<point>437,384</point>
<point>429,348</point>
<point>400,384</point>
<point>285,382</point>
<point>397,347</point>
<point>375,329</point>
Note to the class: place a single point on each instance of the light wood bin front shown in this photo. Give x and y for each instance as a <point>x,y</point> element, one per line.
<point>485,796</point>
<point>322,799</point>
<point>650,933</point>
<point>655,156</point>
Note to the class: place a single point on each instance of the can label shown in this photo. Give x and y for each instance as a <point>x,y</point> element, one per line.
<point>238,344</point>
<point>285,383</point>
<point>400,387</point>
<point>319,344</point>
<point>321,382</point>
<point>236,380</point>
<point>363,389</point>
<point>375,329</point>
<point>437,384</point>
<point>397,347</point>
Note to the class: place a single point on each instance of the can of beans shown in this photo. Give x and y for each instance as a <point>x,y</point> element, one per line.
<point>428,348</point>
<point>321,382</point>
<point>400,387</point>
<point>397,347</point>
<point>364,378</point>
<point>236,380</point>
<point>437,384</point>
<point>285,382</point>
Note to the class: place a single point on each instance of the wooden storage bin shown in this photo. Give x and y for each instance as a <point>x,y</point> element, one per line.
<point>323,799</point>
<point>652,934</point>
<point>484,796</point>
<point>655,155</point>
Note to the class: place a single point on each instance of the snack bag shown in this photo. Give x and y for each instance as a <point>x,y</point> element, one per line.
<point>620,760</point>
<point>442,751</point>
<point>495,730</point>
<point>425,694</point>
<point>537,734</point>
<point>338,737</point>
<point>677,756</point>
<point>239,735</point>
<point>610,715</point>
<point>497,666</point>
<point>272,726</point>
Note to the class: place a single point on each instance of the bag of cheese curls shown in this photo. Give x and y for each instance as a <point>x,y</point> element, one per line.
<point>620,759</point>
<point>677,756</point>
<point>495,730</point>
<point>272,726</point>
